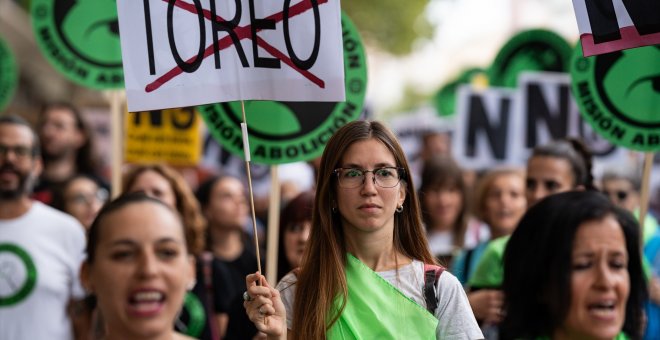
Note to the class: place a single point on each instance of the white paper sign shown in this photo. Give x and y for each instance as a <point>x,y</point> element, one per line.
<point>500,126</point>
<point>612,25</point>
<point>176,54</point>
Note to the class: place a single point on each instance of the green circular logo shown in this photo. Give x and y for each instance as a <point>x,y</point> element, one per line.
<point>196,315</point>
<point>80,38</point>
<point>618,94</point>
<point>8,75</point>
<point>18,274</point>
<point>285,132</point>
<point>445,98</point>
<point>532,50</point>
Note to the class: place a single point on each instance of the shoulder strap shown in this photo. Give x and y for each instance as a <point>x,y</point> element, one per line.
<point>207,259</point>
<point>431,276</point>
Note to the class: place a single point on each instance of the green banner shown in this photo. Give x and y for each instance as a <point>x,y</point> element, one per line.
<point>618,93</point>
<point>80,38</point>
<point>8,75</point>
<point>285,132</point>
<point>532,50</point>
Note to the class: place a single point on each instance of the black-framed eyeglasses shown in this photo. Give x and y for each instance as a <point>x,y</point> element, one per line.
<point>621,195</point>
<point>384,177</point>
<point>20,151</point>
<point>101,195</point>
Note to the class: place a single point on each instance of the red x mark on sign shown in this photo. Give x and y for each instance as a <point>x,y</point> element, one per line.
<point>242,32</point>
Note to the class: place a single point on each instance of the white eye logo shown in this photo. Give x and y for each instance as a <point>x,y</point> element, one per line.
<point>18,274</point>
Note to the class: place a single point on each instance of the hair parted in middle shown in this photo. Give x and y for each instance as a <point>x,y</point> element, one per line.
<point>186,202</point>
<point>538,263</point>
<point>322,277</point>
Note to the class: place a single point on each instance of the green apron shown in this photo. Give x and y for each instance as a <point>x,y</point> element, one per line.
<point>375,309</point>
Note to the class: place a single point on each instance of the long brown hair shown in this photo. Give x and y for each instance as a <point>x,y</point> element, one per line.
<point>442,172</point>
<point>322,278</point>
<point>186,202</point>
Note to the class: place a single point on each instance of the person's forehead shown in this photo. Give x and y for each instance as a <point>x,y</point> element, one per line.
<point>60,114</point>
<point>16,134</point>
<point>144,219</point>
<point>617,182</point>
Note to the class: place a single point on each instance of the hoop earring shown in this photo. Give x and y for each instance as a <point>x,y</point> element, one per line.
<point>399,208</point>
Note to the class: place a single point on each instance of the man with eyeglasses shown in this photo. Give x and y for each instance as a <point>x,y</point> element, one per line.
<point>41,249</point>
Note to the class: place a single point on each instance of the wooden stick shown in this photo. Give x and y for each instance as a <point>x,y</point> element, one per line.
<point>115,97</point>
<point>646,188</point>
<point>273,225</point>
<point>246,150</point>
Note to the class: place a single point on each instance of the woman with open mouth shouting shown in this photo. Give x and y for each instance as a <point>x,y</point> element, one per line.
<point>573,270</point>
<point>138,267</point>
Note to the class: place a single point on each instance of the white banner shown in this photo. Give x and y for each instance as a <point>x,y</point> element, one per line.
<point>500,126</point>
<point>612,25</point>
<point>175,54</point>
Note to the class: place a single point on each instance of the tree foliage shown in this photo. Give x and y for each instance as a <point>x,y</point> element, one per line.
<point>390,25</point>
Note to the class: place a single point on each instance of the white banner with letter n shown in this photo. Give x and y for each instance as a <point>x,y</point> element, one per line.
<point>180,53</point>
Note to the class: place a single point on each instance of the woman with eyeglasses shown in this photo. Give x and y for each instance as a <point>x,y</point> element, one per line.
<point>367,272</point>
<point>81,197</point>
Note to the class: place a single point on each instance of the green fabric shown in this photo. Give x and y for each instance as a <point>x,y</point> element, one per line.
<point>650,226</point>
<point>375,309</point>
<point>489,272</point>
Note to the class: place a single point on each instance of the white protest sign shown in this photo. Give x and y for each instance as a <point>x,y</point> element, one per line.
<point>550,112</point>
<point>501,126</point>
<point>486,128</point>
<point>612,25</point>
<point>184,53</point>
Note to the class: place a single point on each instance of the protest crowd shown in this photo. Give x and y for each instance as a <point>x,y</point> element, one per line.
<point>386,232</point>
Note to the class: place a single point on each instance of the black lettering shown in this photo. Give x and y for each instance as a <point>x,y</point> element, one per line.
<point>496,133</point>
<point>260,151</point>
<point>354,61</point>
<point>604,25</point>
<point>309,62</point>
<point>605,123</point>
<point>257,25</point>
<point>291,151</point>
<point>150,40</point>
<point>654,139</point>
<point>155,118</point>
<point>186,66</point>
<point>638,139</point>
<point>537,109</point>
<point>618,132</point>
<point>228,26</point>
<point>275,153</point>
<point>183,119</point>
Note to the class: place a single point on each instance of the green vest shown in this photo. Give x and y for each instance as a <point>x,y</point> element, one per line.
<point>375,309</point>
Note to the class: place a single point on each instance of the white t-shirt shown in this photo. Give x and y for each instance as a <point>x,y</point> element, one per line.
<point>40,256</point>
<point>455,318</point>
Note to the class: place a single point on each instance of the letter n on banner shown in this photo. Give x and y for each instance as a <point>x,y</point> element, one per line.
<point>486,128</point>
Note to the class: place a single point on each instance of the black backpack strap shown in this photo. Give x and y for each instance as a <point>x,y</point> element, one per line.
<point>431,276</point>
<point>207,261</point>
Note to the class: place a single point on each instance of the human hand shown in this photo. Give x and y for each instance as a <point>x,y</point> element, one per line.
<point>264,307</point>
<point>487,305</point>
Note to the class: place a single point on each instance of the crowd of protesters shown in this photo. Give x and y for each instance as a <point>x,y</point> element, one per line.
<point>512,249</point>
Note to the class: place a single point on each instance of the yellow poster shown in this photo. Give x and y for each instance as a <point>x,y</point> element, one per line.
<point>169,136</point>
